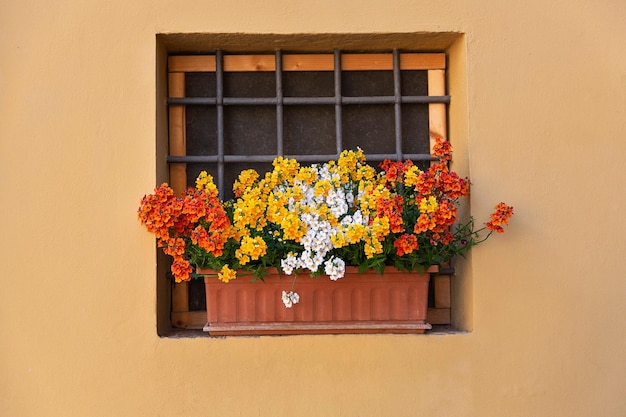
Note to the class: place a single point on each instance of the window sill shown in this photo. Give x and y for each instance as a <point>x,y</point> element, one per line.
<point>437,330</point>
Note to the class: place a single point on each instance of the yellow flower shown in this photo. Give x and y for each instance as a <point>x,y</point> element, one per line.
<point>226,274</point>
<point>364,172</point>
<point>324,212</point>
<point>205,182</point>
<point>293,228</point>
<point>322,188</point>
<point>251,249</point>
<point>372,247</point>
<point>250,211</point>
<point>246,179</point>
<point>355,232</point>
<point>307,175</point>
<point>285,169</point>
<point>411,175</point>
<point>339,240</point>
<point>276,207</point>
<point>428,205</point>
<point>349,159</point>
<point>380,227</point>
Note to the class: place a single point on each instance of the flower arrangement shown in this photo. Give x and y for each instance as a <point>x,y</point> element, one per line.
<point>319,219</point>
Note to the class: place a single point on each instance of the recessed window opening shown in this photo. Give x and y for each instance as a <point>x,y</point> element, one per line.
<point>229,112</point>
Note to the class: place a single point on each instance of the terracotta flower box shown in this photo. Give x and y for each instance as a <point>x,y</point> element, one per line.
<point>395,302</point>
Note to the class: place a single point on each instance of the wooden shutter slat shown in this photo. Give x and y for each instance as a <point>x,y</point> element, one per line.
<point>192,63</point>
<point>308,62</point>
<point>245,63</point>
<point>414,61</point>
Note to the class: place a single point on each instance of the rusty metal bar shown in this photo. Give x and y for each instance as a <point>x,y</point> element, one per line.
<point>338,101</point>
<point>272,101</point>
<point>219,76</point>
<point>279,104</point>
<point>397,108</point>
<point>191,159</point>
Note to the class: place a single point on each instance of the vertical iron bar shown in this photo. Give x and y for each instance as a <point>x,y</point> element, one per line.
<point>279,104</point>
<point>219,78</point>
<point>338,117</point>
<point>397,92</point>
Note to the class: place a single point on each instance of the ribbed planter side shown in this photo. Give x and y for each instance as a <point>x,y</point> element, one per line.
<point>395,302</point>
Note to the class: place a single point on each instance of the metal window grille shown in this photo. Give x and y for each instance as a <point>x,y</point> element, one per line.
<point>220,102</point>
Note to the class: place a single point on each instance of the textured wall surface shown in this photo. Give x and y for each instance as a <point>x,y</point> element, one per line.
<point>538,122</point>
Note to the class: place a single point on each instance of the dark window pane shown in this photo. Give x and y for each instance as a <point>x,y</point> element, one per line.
<point>250,130</point>
<point>370,127</point>
<point>200,84</point>
<point>308,84</point>
<point>414,83</point>
<point>197,295</point>
<point>201,130</point>
<point>309,130</point>
<point>367,83</point>
<point>249,84</point>
<point>415,129</point>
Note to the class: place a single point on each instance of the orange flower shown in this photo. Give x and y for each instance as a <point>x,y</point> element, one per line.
<point>499,217</point>
<point>392,209</point>
<point>158,211</point>
<point>442,149</point>
<point>406,243</point>
<point>394,171</point>
<point>197,217</point>
<point>424,223</point>
<point>181,269</point>
<point>425,183</point>
<point>445,216</point>
<point>451,185</point>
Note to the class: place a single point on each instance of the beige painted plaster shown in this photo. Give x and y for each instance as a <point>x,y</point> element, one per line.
<point>540,125</point>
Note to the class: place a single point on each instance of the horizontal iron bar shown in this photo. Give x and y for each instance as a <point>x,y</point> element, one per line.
<point>272,101</point>
<point>194,101</point>
<point>191,159</point>
<point>392,100</point>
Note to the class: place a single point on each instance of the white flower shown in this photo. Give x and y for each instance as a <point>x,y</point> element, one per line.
<point>307,260</point>
<point>335,268</point>
<point>289,263</point>
<point>307,240</point>
<point>318,258</point>
<point>357,217</point>
<point>290,298</point>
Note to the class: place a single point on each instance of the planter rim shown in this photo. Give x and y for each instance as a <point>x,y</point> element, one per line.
<point>433,269</point>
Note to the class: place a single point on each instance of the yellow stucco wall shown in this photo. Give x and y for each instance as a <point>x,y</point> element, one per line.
<point>541,122</point>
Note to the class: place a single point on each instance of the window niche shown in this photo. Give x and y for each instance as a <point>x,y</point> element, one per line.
<point>238,104</point>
